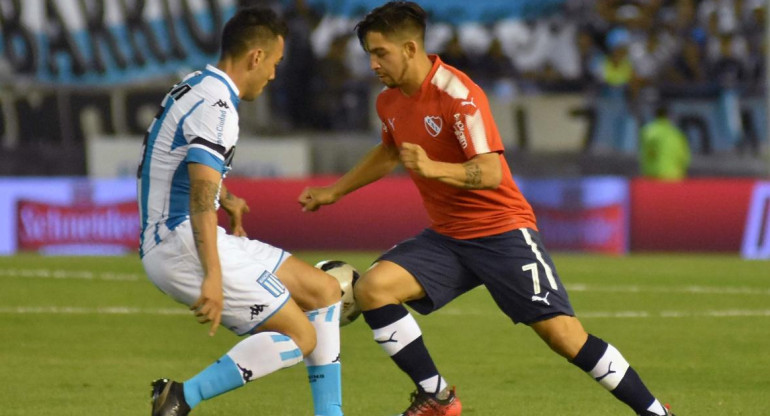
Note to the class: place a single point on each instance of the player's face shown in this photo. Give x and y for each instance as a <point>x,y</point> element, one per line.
<point>265,69</point>
<point>387,59</point>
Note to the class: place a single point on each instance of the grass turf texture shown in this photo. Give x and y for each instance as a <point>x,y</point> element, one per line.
<point>86,335</point>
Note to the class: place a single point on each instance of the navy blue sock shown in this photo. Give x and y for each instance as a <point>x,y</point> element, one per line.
<point>608,367</point>
<point>399,335</point>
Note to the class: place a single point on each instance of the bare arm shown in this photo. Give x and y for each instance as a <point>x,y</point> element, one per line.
<point>204,185</point>
<point>235,207</point>
<point>483,171</point>
<point>377,163</point>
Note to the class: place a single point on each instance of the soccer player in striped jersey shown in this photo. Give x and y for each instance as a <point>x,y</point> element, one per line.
<point>438,124</point>
<point>286,309</point>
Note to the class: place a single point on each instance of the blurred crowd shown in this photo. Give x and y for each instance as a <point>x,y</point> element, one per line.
<point>647,48</point>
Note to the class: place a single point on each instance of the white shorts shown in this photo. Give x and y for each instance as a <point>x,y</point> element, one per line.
<point>252,292</point>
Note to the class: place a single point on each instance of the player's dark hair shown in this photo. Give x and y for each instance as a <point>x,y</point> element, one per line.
<point>248,26</point>
<point>391,18</point>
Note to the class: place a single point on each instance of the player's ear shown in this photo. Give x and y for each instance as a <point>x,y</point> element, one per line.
<point>410,48</point>
<point>255,57</point>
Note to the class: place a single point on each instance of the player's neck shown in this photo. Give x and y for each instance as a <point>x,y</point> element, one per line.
<point>416,76</point>
<point>229,67</point>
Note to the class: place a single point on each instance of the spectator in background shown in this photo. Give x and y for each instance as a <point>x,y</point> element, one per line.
<point>664,152</point>
<point>684,21</point>
<point>616,69</point>
<point>591,58</point>
<point>753,27</point>
<point>455,55</point>
<point>688,68</point>
<point>494,64</point>
<point>339,99</point>
<point>496,73</point>
<point>725,44</point>
<point>331,73</point>
<point>288,93</point>
<point>729,71</point>
<point>616,125</point>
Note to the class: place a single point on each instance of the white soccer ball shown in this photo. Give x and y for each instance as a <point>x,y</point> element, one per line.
<point>347,276</point>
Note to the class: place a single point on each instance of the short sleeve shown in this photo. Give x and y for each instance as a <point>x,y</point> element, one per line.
<point>386,127</point>
<point>473,125</point>
<point>212,131</point>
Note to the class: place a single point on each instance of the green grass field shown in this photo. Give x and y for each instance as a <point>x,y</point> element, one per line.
<point>85,336</point>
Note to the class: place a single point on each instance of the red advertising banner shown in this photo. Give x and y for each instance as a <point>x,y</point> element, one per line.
<point>606,215</point>
<point>51,227</point>
<point>573,215</point>
<point>692,215</point>
<point>580,214</point>
<point>602,229</point>
<point>374,217</point>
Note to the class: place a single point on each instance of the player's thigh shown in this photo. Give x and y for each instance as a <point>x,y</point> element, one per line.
<point>519,274</point>
<point>428,260</point>
<point>310,287</point>
<point>252,292</point>
<point>386,283</point>
<point>174,268</point>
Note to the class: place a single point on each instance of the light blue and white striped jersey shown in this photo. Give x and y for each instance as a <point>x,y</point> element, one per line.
<point>197,123</point>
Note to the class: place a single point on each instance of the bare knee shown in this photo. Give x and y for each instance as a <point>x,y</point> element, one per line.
<point>563,334</point>
<point>310,287</point>
<point>329,291</point>
<point>371,293</point>
<point>305,338</point>
<point>384,284</point>
<point>292,322</point>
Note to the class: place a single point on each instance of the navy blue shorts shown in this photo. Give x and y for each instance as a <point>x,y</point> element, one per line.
<point>514,266</point>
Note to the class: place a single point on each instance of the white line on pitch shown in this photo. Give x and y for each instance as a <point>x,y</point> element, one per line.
<point>125,310</point>
<point>68,310</point>
<point>726,313</point>
<point>706,290</point>
<point>67,274</point>
<point>573,287</point>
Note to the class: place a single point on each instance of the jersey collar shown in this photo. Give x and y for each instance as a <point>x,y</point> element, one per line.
<point>426,82</point>
<point>234,91</point>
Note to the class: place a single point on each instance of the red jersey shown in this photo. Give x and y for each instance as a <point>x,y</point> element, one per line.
<point>450,118</point>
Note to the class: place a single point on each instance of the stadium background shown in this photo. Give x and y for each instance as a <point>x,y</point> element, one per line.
<point>81,81</point>
<point>662,268</point>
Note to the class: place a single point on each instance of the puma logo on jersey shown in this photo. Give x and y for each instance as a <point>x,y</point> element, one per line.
<point>469,102</point>
<point>543,299</point>
<point>221,103</point>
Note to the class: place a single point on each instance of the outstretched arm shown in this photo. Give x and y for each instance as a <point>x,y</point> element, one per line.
<point>483,171</point>
<point>204,185</point>
<point>377,163</point>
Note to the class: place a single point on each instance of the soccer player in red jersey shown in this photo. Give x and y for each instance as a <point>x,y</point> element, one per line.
<point>437,123</point>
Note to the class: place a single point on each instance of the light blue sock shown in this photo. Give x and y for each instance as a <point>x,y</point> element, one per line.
<point>218,378</point>
<point>250,359</point>
<point>325,382</point>
<point>323,364</point>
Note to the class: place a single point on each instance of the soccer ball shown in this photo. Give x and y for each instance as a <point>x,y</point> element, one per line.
<point>347,276</point>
